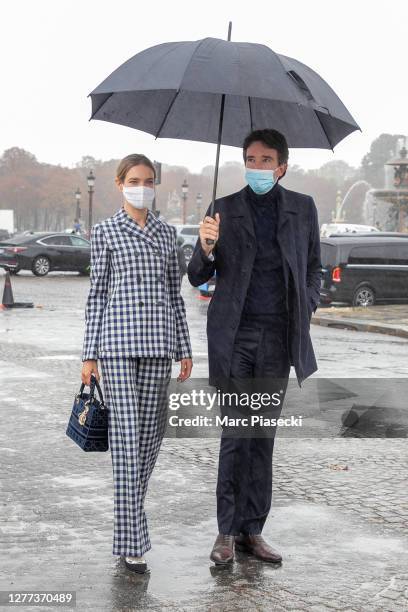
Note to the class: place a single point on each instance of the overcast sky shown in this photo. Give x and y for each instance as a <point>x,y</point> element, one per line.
<point>54,53</point>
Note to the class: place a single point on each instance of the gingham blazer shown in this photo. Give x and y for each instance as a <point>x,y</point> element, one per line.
<point>134,307</point>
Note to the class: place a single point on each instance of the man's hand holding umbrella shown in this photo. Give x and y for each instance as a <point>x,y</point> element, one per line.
<point>209,229</point>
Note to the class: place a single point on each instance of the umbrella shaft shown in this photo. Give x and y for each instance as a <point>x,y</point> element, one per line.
<point>217,160</point>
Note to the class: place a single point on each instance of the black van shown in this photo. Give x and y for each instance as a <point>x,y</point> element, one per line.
<point>363,269</point>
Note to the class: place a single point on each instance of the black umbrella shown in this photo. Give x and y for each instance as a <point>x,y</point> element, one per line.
<point>215,90</point>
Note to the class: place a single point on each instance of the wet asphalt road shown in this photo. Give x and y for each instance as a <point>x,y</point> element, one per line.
<point>59,300</point>
<point>342,532</point>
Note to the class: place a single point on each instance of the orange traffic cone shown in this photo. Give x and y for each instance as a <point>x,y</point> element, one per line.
<point>8,299</point>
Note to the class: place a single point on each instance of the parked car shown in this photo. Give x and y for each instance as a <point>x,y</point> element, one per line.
<point>189,233</point>
<point>43,252</point>
<point>328,229</point>
<point>364,269</point>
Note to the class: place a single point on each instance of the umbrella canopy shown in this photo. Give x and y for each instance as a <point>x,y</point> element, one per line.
<point>176,90</point>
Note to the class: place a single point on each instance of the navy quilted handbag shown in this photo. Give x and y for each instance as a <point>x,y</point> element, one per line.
<point>88,423</point>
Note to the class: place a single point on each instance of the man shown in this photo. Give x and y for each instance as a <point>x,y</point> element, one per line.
<point>266,253</point>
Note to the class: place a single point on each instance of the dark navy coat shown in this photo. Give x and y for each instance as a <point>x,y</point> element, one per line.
<point>234,254</point>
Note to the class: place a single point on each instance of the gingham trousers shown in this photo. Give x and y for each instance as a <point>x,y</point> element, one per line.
<point>136,399</point>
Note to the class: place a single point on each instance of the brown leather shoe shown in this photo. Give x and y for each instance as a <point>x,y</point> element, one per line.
<point>223,549</point>
<point>256,545</point>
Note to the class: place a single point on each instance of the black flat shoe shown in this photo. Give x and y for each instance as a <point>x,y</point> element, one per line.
<point>138,567</point>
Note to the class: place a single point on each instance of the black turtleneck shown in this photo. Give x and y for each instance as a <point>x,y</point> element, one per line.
<point>266,295</point>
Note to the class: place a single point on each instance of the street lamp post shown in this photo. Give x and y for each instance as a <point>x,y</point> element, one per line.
<point>78,204</point>
<point>199,200</point>
<point>157,181</point>
<point>184,189</point>
<point>91,182</point>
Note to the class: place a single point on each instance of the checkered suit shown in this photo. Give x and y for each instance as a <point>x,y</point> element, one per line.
<point>135,395</point>
<point>135,323</point>
<point>134,307</point>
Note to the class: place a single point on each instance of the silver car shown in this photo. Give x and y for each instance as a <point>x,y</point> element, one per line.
<point>189,234</point>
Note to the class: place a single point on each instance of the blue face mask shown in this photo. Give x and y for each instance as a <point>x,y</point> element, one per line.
<point>260,181</point>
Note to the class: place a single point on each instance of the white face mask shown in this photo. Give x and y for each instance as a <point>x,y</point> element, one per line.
<point>139,196</point>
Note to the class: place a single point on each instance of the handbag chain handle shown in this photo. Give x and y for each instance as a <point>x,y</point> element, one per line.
<point>94,382</point>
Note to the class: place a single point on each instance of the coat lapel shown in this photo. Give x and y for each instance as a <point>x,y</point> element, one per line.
<point>241,215</point>
<point>149,233</point>
<point>286,232</point>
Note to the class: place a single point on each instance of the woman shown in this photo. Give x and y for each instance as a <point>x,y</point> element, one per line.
<point>135,323</point>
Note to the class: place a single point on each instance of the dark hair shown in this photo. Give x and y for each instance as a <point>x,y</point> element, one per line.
<point>272,139</point>
<point>135,159</point>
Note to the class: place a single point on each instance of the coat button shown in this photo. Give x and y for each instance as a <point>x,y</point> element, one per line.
<point>141,303</point>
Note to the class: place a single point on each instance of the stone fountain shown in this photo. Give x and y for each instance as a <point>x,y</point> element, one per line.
<point>388,208</point>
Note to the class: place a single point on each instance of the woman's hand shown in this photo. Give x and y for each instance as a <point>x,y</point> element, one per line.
<point>186,366</point>
<point>89,367</point>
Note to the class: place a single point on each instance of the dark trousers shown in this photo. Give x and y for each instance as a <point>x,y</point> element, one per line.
<point>260,364</point>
